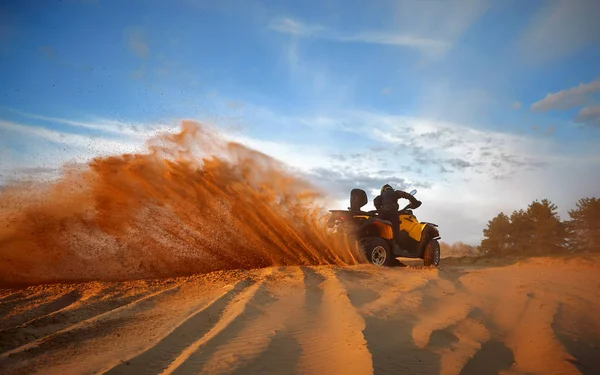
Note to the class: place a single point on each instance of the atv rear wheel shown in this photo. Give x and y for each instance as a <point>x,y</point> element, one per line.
<point>431,256</point>
<point>378,251</point>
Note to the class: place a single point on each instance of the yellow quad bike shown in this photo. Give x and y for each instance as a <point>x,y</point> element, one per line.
<point>375,236</point>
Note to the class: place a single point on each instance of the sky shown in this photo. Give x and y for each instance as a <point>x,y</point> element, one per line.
<point>482,106</point>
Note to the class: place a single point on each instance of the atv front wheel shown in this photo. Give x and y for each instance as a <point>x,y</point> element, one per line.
<point>378,251</point>
<point>431,256</point>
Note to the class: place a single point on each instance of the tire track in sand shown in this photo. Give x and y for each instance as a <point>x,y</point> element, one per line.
<point>330,332</point>
<point>12,300</point>
<point>390,310</point>
<point>83,309</point>
<point>536,347</point>
<point>20,314</point>
<point>200,321</point>
<point>246,344</point>
<point>229,314</point>
<point>39,345</point>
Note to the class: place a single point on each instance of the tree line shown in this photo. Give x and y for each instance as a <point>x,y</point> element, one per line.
<point>539,230</point>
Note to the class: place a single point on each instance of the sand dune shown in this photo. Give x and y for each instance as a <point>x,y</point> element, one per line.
<point>533,317</point>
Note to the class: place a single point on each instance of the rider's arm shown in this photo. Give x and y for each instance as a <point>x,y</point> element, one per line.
<point>405,195</point>
<point>402,194</point>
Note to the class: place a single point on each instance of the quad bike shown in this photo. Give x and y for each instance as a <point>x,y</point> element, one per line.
<point>375,236</point>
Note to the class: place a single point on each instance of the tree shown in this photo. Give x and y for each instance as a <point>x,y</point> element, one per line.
<point>496,235</point>
<point>537,230</point>
<point>547,234</point>
<point>584,226</point>
<point>521,230</point>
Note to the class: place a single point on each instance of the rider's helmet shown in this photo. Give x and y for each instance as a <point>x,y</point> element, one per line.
<point>386,187</point>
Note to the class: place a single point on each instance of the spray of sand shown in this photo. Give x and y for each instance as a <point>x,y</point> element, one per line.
<point>193,203</point>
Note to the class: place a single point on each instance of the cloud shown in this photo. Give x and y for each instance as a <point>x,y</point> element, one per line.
<point>589,116</point>
<point>93,144</point>
<point>468,104</point>
<point>459,163</point>
<point>559,29</point>
<point>386,91</point>
<point>543,131</point>
<point>374,37</point>
<point>38,152</point>
<point>108,126</point>
<point>569,98</point>
<point>315,78</point>
<point>42,146</point>
<point>28,173</point>
<point>136,42</point>
<point>288,25</point>
<point>299,29</point>
<point>338,183</point>
<point>438,20</point>
<point>439,145</point>
<point>516,105</point>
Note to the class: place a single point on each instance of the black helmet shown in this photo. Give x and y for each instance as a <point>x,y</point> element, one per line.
<point>386,187</point>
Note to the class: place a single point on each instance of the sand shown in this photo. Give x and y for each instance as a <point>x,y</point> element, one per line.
<point>533,317</point>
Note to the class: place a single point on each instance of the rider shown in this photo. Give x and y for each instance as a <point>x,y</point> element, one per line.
<point>387,204</point>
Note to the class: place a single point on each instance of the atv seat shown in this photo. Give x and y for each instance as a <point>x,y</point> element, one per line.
<point>358,198</point>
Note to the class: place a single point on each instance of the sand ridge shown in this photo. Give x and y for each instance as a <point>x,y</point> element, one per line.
<point>532,317</point>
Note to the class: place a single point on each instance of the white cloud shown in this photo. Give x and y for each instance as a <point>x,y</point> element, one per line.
<point>41,151</point>
<point>438,20</point>
<point>314,77</point>
<point>376,37</point>
<point>41,147</point>
<point>569,98</point>
<point>92,144</point>
<point>561,28</point>
<point>589,115</point>
<point>434,144</point>
<point>288,25</point>
<point>516,105</point>
<point>300,29</point>
<point>115,127</point>
<point>456,102</point>
<point>304,158</point>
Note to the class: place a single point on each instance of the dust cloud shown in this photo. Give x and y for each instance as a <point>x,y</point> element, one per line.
<point>193,203</point>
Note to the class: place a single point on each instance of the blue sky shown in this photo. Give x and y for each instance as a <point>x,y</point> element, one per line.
<point>465,100</point>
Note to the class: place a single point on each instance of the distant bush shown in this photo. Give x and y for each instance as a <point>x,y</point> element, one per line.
<point>458,249</point>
